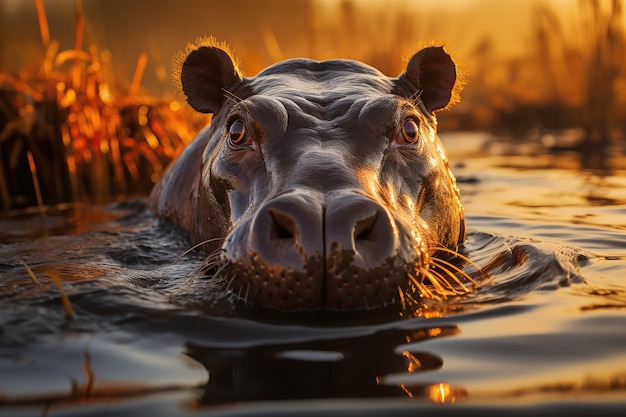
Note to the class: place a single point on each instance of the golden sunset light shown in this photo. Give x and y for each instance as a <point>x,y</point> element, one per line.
<point>312,207</point>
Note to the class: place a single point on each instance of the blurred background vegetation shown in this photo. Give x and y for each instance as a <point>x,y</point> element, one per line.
<point>88,111</point>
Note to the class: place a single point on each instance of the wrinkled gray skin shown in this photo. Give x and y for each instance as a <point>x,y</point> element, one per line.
<point>323,202</point>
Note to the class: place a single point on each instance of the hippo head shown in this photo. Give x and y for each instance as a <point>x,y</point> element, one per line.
<point>317,185</point>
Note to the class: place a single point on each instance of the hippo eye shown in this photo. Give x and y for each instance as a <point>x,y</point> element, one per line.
<point>409,133</point>
<point>237,132</point>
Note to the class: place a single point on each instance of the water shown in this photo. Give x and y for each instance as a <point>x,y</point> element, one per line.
<point>545,334</point>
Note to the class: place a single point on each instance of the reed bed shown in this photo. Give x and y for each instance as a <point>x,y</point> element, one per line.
<point>571,76</point>
<point>67,135</point>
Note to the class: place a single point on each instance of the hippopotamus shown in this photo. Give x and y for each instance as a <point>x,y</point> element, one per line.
<point>318,185</point>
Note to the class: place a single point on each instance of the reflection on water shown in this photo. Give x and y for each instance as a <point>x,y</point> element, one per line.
<point>445,393</point>
<point>545,327</point>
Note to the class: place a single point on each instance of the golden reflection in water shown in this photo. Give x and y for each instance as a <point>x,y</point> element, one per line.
<point>445,393</point>
<point>434,332</point>
<point>414,363</point>
<point>417,362</point>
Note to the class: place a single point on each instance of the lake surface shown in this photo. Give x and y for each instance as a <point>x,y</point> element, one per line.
<point>544,334</point>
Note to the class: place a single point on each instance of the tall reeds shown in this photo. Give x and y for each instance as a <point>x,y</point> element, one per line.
<point>67,135</point>
<point>605,58</point>
<point>583,72</point>
<point>572,75</point>
<point>380,34</point>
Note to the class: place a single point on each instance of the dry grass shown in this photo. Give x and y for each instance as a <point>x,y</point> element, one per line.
<point>67,135</point>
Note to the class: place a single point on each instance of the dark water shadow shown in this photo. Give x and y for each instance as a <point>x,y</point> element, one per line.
<point>315,370</point>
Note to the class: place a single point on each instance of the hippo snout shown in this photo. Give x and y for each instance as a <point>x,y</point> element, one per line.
<point>301,251</point>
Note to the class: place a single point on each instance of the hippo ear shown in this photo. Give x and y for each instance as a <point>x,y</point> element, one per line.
<point>432,73</point>
<point>205,73</point>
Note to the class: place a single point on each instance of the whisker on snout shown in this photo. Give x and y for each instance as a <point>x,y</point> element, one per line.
<point>462,257</point>
<point>212,263</point>
<point>441,278</point>
<point>451,271</point>
<point>196,246</point>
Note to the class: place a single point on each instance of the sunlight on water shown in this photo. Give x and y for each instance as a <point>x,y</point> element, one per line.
<point>547,322</point>
<point>445,393</point>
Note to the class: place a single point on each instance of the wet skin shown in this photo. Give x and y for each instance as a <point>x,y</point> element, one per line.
<point>318,185</point>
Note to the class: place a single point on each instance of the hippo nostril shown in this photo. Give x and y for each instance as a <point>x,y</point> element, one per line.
<point>281,236</point>
<point>284,226</point>
<point>364,227</point>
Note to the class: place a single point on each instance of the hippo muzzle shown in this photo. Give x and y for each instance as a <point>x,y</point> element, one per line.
<point>318,185</point>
